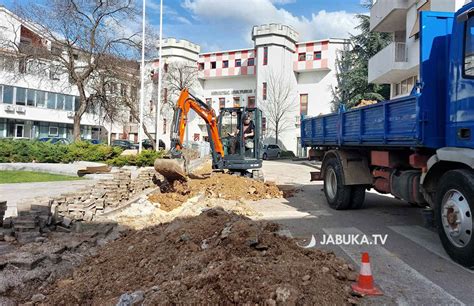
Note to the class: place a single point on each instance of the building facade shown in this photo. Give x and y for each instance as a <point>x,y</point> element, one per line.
<point>398,63</point>
<point>37,99</point>
<point>249,77</point>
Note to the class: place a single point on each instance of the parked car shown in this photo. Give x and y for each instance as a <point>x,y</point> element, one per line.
<point>146,143</point>
<point>55,140</point>
<point>124,144</point>
<point>271,151</point>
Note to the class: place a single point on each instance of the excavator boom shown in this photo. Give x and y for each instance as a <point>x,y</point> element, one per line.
<point>173,169</point>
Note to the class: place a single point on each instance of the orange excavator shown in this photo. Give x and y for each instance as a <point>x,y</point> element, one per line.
<point>231,151</point>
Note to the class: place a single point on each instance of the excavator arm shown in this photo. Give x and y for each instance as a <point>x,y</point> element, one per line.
<point>176,168</point>
<point>186,102</point>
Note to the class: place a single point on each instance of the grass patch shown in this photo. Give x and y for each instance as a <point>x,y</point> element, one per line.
<point>8,177</point>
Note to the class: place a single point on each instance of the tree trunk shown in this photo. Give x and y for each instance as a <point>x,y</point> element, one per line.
<point>76,131</point>
<point>276,133</point>
<point>147,133</point>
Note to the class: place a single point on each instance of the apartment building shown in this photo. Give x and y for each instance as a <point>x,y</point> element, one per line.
<point>244,77</point>
<point>398,63</point>
<point>37,98</point>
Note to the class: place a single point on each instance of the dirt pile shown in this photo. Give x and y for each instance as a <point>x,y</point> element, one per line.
<point>218,185</point>
<point>213,258</point>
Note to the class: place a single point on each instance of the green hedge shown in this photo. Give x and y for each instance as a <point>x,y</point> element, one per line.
<point>144,159</point>
<point>16,151</point>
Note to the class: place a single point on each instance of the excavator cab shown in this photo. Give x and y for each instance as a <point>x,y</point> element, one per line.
<point>240,154</point>
<point>232,148</point>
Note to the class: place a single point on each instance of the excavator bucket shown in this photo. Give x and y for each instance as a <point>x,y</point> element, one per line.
<point>171,169</point>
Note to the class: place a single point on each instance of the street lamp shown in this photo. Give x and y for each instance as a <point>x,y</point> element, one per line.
<point>142,85</point>
<point>158,104</point>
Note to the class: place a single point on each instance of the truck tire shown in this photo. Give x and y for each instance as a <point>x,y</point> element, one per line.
<point>453,213</point>
<point>357,196</point>
<point>338,195</point>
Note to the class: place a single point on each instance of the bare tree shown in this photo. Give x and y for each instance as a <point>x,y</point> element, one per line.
<point>179,75</point>
<point>279,106</point>
<point>83,40</point>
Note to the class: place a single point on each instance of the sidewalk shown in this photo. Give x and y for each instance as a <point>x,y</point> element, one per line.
<point>16,193</point>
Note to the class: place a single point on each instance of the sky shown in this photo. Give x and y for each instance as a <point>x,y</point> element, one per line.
<point>218,25</point>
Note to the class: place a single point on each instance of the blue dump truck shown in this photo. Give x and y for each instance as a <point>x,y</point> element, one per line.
<point>418,148</point>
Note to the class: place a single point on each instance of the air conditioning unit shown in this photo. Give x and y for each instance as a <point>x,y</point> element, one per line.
<point>9,108</point>
<point>21,109</point>
<point>70,114</point>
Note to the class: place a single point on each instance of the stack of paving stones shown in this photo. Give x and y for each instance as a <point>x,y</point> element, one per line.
<point>85,204</point>
<point>30,223</point>
<point>146,178</point>
<point>3,209</point>
<point>41,215</point>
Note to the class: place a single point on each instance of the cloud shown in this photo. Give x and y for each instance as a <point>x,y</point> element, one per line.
<point>247,13</point>
<point>282,1</point>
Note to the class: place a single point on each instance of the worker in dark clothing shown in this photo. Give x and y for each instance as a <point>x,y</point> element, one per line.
<point>249,132</point>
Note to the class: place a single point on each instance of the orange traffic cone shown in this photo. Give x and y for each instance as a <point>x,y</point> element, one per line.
<point>365,283</point>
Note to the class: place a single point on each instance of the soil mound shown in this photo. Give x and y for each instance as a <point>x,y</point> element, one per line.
<point>213,258</point>
<point>218,185</point>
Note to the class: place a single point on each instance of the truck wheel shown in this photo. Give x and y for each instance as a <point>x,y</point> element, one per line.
<point>337,194</point>
<point>454,208</point>
<point>264,157</point>
<point>357,196</point>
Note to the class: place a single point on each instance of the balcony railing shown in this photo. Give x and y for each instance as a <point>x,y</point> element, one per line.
<point>400,50</point>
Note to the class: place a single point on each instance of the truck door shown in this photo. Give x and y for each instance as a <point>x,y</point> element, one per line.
<point>462,105</point>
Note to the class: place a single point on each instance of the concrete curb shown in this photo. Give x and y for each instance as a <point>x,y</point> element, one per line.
<point>64,169</point>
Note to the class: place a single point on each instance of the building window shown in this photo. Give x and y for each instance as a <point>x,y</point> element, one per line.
<point>51,104</point>
<point>317,55</point>
<point>304,104</point>
<point>151,106</point>
<point>236,101</point>
<point>251,102</point>
<point>30,97</point>
<point>302,57</point>
<point>209,101</point>
<point>165,67</point>
<point>69,104</point>
<point>264,91</point>
<point>8,94</point>
<point>200,66</point>
<point>54,73</point>
<point>225,64</point>
<point>165,95</point>
<point>20,96</point>
<point>60,102</point>
<point>251,61</point>
<point>40,98</point>
<point>221,102</point>
<point>469,48</point>
<point>164,125</point>
<point>213,65</point>
<point>264,125</point>
<point>265,56</point>
<point>238,62</point>
<point>123,90</point>
<point>53,131</point>
<point>22,66</point>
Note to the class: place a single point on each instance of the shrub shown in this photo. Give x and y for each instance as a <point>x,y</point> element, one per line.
<point>14,151</point>
<point>145,159</point>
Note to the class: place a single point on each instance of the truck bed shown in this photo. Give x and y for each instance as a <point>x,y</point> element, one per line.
<point>389,123</point>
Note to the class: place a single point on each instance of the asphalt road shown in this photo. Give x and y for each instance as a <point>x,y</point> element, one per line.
<point>411,267</point>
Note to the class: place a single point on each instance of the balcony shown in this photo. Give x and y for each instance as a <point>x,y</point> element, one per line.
<point>393,63</point>
<point>389,15</point>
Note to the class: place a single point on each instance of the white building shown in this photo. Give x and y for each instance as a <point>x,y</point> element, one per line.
<point>398,63</point>
<point>36,98</point>
<point>41,102</point>
<point>241,77</point>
